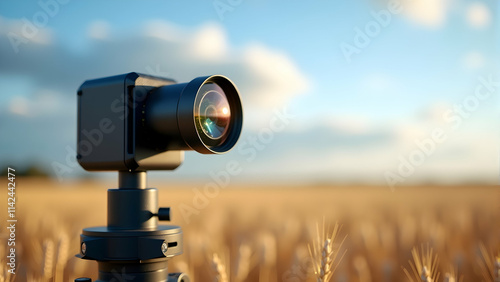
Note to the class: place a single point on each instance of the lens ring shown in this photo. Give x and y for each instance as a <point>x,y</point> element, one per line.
<point>212,114</point>
<point>190,128</point>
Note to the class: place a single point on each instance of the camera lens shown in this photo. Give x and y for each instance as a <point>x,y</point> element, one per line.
<point>212,114</point>
<point>204,115</point>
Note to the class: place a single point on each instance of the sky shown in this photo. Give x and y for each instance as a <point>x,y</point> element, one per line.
<point>371,92</point>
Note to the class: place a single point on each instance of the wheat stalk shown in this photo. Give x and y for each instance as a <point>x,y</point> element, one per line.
<point>452,276</point>
<point>324,253</point>
<point>33,278</point>
<point>62,258</point>
<point>268,257</point>
<point>6,276</point>
<point>423,266</point>
<point>448,277</point>
<point>426,275</point>
<point>362,269</point>
<point>489,264</point>
<point>497,269</point>
<point>48,260</point>
<point>219,269</point>
<point>244,262</point>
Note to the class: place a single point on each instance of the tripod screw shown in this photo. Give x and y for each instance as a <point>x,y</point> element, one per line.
<point>164,248</point>
<point>84,248</point>
<point>164,214</point>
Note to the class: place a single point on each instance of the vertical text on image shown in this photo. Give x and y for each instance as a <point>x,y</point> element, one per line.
<point>11,220</point>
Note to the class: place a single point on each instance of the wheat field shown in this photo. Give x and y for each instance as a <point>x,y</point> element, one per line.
<point>276,233</point>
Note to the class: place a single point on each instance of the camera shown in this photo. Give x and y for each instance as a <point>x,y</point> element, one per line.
<point>132,123</point>
<point>137,122</point>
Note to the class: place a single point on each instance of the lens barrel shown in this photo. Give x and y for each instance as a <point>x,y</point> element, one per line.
<point>204,115</point>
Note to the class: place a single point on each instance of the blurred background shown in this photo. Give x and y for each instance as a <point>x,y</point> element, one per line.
<point>341,99</point>
<point>358,87</point>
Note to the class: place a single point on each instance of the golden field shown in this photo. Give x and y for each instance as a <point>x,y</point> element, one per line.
<point>263,233</point>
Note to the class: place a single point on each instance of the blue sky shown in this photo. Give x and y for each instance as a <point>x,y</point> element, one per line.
<point>354,117</point>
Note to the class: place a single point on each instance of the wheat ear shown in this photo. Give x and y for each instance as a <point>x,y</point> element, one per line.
<point>244,262</point>
<point>448,277</point>
<point>424,265</point>
<point>325,271</point>
<point>488,264</point>
<point>219,269</point>
<point>324,254</point>
<point>426,275</point>
<point>452,275</point>
<point>62,258</point>
<point>48,260</point>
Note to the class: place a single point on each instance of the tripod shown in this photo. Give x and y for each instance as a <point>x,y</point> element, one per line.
<point>133,247</point>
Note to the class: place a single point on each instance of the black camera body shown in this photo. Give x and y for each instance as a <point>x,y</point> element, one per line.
<point>137,122</point>
<point>109,116</point>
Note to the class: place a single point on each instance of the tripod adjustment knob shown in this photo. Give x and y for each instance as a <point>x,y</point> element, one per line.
<point>164,214</point>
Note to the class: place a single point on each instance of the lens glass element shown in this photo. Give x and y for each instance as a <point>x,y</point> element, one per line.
<point>212,113</point>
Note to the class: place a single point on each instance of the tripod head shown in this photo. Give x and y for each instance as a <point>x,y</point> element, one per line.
<point>132,123</point>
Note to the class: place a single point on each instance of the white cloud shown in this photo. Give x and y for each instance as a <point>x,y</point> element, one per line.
<point>478,15</point>
<point>210,42</point>
<point>163,30</point>
<point>24,31</point>
<point>280,78</point>
<point>274,83</point>
<point>266,78</point>
<point>43,103</point>
<point>98,30</point>
<point>380,85</point>
<point>463,156</point>
<point>348,124</point>
<point>429,13</point>
<point>19,105</point>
